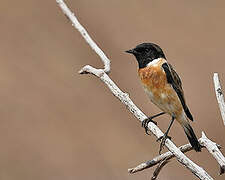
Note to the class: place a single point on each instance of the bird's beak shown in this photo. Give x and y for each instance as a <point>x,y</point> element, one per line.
<point>131,51</point>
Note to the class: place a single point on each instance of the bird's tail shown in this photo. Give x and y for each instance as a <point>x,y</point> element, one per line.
<point>191,136</point>
<point>189,132</point>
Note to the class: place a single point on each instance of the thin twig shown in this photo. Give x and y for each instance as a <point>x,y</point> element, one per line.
<point>159,168</point>
<point>85,35</point>
<point>124,97</point>
<point>168,155</point>
<point>219,95</point>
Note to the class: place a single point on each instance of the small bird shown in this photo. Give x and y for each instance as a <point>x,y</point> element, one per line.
<point>164,88</point>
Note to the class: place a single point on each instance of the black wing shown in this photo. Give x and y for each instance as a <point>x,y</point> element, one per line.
<point>174,80</point>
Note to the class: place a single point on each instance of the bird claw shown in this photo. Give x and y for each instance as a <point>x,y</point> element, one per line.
<point>145,122</point>
<point>163,141</point>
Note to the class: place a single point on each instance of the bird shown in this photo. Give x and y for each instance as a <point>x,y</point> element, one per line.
<point>164,88</point>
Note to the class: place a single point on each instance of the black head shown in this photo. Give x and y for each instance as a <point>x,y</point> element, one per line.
<point>146,52</point>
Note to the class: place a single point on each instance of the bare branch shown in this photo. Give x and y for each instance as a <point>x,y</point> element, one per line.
<point>159,168</point>
<point>85,34</point>
<point>219,95</point>
<point>212,147</point>
<point>214,150</point>
<point>124,97</point>
<point>168,155</point>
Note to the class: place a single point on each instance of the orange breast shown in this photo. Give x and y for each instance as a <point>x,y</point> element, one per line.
<point>152,77</point>
<point>159,91</point>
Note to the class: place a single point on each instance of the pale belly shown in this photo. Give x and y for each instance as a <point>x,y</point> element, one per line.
<point>166,99</point>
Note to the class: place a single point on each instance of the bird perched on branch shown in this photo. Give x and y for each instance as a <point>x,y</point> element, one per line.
<point>164,88</point>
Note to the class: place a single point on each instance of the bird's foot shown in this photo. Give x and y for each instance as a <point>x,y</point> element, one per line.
<point>163,140</point>
<point>145,122</point>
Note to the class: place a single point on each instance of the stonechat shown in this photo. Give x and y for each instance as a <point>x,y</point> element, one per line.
<point>164,88</point>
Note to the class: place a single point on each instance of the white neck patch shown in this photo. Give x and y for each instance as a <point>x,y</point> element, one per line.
<point>154,62</point>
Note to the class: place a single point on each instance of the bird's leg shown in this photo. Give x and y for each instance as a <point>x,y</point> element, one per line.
<point>145,122</point>
<point>165,136</point>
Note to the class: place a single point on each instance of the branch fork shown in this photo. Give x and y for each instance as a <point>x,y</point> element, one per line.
<point>163,159</point>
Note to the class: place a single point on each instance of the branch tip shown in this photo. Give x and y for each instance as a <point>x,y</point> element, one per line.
<point>82,71</point>
<point>130,170</point>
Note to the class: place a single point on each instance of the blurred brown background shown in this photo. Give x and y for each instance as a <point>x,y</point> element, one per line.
<point>57,124</point>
